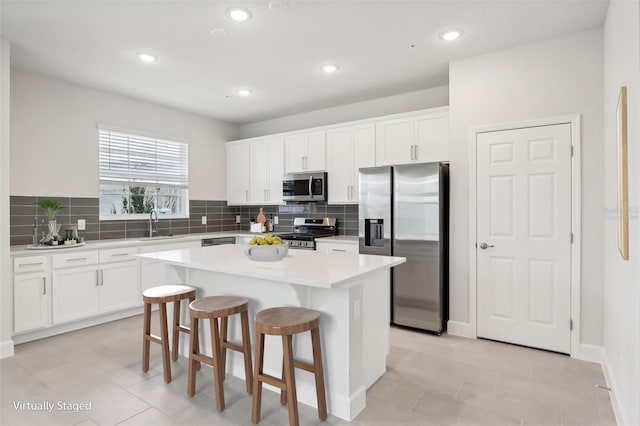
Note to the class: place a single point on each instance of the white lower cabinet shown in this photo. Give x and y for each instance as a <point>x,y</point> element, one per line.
<point>31,293</point>
<point>31,299</point>
<point>75,293</point>
<point>93,288</point>
<point>119,286</point>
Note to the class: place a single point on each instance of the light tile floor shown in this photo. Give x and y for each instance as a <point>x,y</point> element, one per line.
<point>430,380</point>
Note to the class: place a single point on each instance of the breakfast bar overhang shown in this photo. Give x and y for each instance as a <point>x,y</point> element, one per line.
<point>350,290</point>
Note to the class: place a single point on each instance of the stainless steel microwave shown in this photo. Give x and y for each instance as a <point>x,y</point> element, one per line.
<point>304,187</point>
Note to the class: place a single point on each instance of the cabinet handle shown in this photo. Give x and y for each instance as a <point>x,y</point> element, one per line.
<point>31,264</point>
<point>338,250</point>
<point>246,195</point>
<point>101,277</point>
<point>76,259</point>
<point>268,194</point>
<point>302,161</point>
<point>97,278</point>
<point>415,150</point>
<point>44,285</point>
<point>119,254</point>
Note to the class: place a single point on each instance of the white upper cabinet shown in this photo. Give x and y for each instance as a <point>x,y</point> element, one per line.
<point>432,137</point>
<point>413,139</point>
<point>238,178</point>
<point>305,152</point>
<point>348,149</point>
<point>267,169</point>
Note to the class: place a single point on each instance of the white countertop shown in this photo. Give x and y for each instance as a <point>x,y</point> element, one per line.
<point>339,239</point>
<point>103,244</point>
<point>301,267</point>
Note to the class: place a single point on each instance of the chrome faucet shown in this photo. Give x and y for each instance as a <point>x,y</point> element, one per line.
<point>152,221</point>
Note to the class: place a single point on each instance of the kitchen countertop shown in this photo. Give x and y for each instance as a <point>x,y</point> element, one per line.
<point>330,269</point>
<point>21,250</point>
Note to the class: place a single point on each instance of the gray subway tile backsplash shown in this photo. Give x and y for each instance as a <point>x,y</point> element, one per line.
<point>220,217</point>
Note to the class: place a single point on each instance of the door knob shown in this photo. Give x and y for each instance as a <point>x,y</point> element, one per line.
<point>485,246</point>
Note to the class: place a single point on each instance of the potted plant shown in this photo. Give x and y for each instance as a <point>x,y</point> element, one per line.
<point>51,208</point>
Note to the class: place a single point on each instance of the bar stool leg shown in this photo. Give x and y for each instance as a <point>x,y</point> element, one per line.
<point>176,330</point>
<point>217,368</point>
<point>224,324</point>
<point>193,350</point>
<point>146,326</point>
<point>319,374</point>
<point>164,337</point>
<point>257,383</point>
<point>283,392</point>
<point>290,380</point>
<point>246,351</point>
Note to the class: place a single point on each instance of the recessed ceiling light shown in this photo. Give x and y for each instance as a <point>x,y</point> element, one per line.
<point>451,35</point>
<point>218,32</point>
<point>243,92</point>
<point>278,5</point>
<point>330,68</point>
<point>239,14</point>
<point>146,57</point>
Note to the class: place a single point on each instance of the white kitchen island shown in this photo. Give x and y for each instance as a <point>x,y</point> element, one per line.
<point>350,290</point>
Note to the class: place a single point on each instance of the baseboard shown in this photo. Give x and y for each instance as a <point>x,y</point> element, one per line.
<point>461,329</point>
<point>6,349</point>
<point>612,394</point>
<point>591,353</point>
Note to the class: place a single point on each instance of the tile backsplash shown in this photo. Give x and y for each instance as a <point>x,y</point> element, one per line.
<point>220,217</point>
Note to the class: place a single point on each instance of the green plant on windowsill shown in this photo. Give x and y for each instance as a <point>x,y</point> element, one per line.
<point>51,207</point>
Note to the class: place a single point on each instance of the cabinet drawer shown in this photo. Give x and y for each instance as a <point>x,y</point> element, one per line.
<point>337,247</point>
<point>121,254</point>
<point>29,264</point>
<point>81,258</point>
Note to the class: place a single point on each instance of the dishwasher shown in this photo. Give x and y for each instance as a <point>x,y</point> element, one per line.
<point>218,241</point>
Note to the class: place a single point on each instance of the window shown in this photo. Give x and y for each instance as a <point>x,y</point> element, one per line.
<point>141,173</point>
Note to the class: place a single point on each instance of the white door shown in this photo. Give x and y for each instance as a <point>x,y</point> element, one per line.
<point>395,140</point>
<point>30,301</point>
<point>276,170</point>
<point>432,138</point>
<point>259,172</point>
<point>524,236</point>
<point>316,157</point>
<point>238,172</point>
<point>363,152</point>
<point>295,151</point>
<point>119,288</point>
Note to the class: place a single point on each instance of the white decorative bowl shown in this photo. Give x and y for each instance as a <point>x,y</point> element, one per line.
<point>266,253</point>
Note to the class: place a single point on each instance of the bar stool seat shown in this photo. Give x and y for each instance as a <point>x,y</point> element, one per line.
<point>162,295</point>
<point>285,322</point>
<point>214,308</point>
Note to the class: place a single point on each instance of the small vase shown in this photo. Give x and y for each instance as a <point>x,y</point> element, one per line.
<point>54,228</point>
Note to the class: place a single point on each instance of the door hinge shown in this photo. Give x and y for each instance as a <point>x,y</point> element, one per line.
<point>572,238</point>
<point>572,150</point>
<point>570,325</point>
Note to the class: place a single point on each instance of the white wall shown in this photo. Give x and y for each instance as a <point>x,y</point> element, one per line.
<point>6,288</point>
<point>551,78</point>
<point>54,122</point>
<point>412,101</point>
<point>621,278</point>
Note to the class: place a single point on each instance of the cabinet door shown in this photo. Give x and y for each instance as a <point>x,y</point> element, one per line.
<point>276,170</point>
<point>432,137</point>
<point>295,150</point>
<point>339,165</point>
<point>238,161</point>
<point>119,286</point>
<point>363,151</point>
<point>327,247</point>
<point>75,293</point>
<point>316,158</point>
<point>395,141</point>
<point>259,171</point>
<point>30,302</point>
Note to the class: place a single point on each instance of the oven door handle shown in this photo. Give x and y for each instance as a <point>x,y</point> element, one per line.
<point>310,186</point>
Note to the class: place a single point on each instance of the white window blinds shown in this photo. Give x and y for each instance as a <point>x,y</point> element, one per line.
<point>140,160</point>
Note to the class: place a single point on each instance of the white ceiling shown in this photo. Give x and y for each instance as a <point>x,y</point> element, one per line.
<point>278,55</point>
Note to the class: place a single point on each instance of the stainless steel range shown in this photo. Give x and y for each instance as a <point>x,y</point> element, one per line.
<point>307,229</point>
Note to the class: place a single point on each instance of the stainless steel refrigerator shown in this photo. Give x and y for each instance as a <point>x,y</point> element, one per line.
<point>404,211</point>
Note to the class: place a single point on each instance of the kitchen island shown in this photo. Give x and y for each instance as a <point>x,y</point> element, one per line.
<point>350,290</point>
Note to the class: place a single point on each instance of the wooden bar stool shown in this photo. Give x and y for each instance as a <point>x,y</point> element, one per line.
<point>162,295</point>
<point>286,322</point>
<point>214,308</point>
